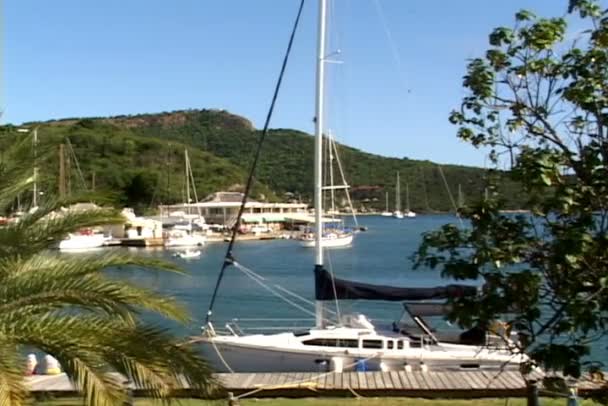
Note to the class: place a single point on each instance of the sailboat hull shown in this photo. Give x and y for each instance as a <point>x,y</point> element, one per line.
<point>341,241</point>
<point>237,358</point>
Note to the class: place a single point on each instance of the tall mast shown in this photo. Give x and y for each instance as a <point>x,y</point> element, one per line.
<point>386,201</point>
<point>330,159</point>
<point>398,194</point>
<point>35,186</point>
<point>319,111</point>
<point>61,171</point>
<point>187,181</point>
<point>407,197</point>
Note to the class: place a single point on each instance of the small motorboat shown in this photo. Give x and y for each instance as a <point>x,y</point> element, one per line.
<point>188,254</point>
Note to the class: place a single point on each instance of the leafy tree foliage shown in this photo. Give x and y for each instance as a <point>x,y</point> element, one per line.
<point>539,101</point>
<point>69,307</point>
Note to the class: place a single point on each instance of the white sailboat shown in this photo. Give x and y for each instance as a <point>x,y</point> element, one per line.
<point>183,235</point>
<point>398,214</point>
<point>337,235</point>
<point>351,342</point>
<point>386,212</point>
<point>408,213</point>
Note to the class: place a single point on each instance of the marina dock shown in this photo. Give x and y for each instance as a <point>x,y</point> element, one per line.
<point>429,384</point>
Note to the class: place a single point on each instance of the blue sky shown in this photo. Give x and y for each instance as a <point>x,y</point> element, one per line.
<point>74,58</point>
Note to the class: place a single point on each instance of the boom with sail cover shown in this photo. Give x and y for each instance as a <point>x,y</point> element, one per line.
<point>344,289</point>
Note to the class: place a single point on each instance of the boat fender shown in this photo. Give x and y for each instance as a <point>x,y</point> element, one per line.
<point>30,364</point>
<point>52,365</point>
<point>336,364</point>
<point>424,367</point>
<point>407,368</point>
<point>384,367</point>
<point>322,365</point>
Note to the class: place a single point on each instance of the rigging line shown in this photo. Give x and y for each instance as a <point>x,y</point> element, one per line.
<point>391,43</point>
<point>274,292</point>
<point>228,258</point>
<point>73,155</point>
<point>261,280</point>
<point>333,285</point>
<point>447,188</point>
<point>350,203</point>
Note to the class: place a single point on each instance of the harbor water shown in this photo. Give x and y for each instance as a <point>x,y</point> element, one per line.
<point>381,255</point>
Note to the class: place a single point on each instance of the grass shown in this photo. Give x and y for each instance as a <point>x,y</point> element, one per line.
<point>344,402</point>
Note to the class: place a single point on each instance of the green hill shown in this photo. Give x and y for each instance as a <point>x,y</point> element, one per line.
<point>141,159</point>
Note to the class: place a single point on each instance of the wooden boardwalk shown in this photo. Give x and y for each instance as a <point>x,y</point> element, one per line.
<point>452,384</point>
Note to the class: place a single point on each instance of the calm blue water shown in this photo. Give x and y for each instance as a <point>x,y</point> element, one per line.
<point>380,255</point>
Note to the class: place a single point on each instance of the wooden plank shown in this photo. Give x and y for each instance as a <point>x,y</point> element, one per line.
<point>388,382</point>
<point>338,380</point>
<point>379,379</point>
<point>362,381</point>
<point>431,379</point>
<point>346,380</point>
<point>516,381</point>
<point>405,380</point>
<point>247,380</point>
<point>330,380</point>
<point>493,379</point>
<point>413,378</point>
<point>394,376</point>
<point>440,377</point>
<point>456,381</point>
<point>476,379</point>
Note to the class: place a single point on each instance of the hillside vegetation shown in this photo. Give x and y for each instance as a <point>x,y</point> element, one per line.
<point>140,159</point>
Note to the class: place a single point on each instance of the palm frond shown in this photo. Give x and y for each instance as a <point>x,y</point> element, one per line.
<point>44,283</point>
<point>12,389</point>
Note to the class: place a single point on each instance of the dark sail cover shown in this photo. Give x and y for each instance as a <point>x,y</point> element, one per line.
<point>324,290</point>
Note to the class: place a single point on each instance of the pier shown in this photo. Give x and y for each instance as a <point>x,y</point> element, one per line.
<point>429,384</point>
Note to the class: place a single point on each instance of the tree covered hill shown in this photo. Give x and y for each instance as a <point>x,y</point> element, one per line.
<point>140,158</point>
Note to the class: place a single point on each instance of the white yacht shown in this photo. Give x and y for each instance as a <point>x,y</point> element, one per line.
<point>181,238</point>
<point>331,239</point>
<point>351,342</point>
<point>83,241</point>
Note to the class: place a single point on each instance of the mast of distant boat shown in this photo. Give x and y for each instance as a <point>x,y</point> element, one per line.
<point>35,185</point>
<point>398,194</point>
<point>319,111</point>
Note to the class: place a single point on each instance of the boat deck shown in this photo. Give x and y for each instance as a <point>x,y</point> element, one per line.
<point>435,384</point>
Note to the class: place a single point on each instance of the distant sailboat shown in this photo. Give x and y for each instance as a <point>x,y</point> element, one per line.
<point>398,214</point>
<point>184,235</point>
<point>386,213</point>
<point>408,212</point>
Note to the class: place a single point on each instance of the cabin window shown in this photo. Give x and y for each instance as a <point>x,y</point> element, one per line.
<point>389,344</point>
<point>400,344</point>
<point>332,342</point>
<point>377,344</point>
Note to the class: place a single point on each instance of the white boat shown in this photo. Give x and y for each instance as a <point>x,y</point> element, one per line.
<point>82,241</point>
<point>188,254</point>
<point>408,213</point>
<point>350,342</point>
<point>330,240</point>
<point>180,238</point>
<point>386,213</point>
<point>398,214</point>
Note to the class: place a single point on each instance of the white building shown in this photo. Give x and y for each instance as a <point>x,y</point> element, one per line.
<point>222,208</point>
